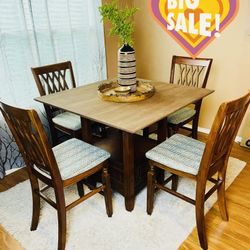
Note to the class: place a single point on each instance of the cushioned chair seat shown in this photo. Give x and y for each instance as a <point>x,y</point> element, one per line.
<point>181,115</point>
<point>75,157</point>
<point>179,152</point>
<point>68,120</point>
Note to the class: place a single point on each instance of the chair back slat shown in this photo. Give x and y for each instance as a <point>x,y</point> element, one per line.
<point>54,78</point>
<point>31,139</point>
<point>222,135</point>
<point>190,72</point>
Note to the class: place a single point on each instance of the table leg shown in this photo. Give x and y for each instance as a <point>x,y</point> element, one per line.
<point>128,163</point>
<point>161,136</point>
<point>86,130</point>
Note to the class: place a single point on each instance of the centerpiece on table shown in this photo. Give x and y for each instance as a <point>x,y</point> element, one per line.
<point>122,25</point>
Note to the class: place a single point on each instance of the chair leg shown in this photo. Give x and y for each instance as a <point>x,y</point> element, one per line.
<point>103,130</point>
<point>150,190</point>
<point>36,202</point>
<point>146,132</point>
<point>175,182</point>
<point>53,134</point>
<point>172,130</point>
<point>222,201</point>
<point>175,130</point>
<point>107,191</point>
<point>61,214</point>
<point>80,188</point>
<point>195,129</point>
<point>74,134</point>
<point>200,221</point>
<point>169,131</point>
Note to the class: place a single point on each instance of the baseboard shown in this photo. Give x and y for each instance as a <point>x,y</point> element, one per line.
<point>238,139</point>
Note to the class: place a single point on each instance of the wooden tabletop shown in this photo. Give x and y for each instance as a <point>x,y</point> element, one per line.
<point>129,117</point>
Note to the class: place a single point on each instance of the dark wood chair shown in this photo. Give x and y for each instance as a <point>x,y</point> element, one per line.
<point>184,156</point>
<point>63,165</point>
<point>187,72</point>
<point>51,79</point>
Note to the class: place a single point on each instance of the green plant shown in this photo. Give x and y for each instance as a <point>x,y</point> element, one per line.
<point>121,19</point>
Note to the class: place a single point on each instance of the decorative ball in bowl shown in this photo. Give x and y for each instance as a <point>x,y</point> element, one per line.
<point>122,90</point>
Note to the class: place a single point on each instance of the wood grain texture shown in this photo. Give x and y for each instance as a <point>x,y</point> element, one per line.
<point>129,117</point>
<point>7,242</point>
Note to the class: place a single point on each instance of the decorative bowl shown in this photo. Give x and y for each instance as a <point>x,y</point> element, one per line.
<point>122,90</point>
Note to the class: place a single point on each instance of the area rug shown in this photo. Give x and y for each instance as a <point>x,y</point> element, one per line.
<point>88,226</point>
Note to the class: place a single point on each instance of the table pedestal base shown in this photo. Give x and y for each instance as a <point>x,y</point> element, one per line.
<point>128,165</point>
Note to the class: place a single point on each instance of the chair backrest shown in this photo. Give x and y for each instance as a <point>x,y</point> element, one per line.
<point>222,136</point>
<point>29,134</point>
<point>190,72</point>
<point>54,78</point>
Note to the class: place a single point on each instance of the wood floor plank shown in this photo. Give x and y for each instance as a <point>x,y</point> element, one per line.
<point>7,242</point>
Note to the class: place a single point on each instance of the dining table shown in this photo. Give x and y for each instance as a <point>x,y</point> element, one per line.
<point>128,165</point>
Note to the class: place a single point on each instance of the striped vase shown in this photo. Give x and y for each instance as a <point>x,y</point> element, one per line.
<point>127,67</point>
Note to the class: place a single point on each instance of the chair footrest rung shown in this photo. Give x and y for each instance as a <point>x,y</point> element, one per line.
<point>85,197</point>
<point>52,203</point>
<point>181,196</point>
<point>214,188</point>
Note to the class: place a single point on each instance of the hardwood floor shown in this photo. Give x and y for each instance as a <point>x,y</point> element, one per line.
<point>7,242</point>
<point>234,234</point>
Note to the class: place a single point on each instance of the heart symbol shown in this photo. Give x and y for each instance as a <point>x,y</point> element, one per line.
<point>186,25</point>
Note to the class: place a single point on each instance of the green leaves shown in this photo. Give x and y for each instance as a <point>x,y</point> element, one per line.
<point>121,19</point>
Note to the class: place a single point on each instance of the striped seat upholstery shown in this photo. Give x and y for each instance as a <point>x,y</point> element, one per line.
<point>75,157</point>
<point>181,115</point>
<point>68,120</point>
<point>179,152</point>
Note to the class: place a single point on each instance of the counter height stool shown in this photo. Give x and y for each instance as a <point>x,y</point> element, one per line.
<point>51,79</point>
<point>63,165</point>
<point>184,156</point>
<point>191,72</point>
<point>186,71</point>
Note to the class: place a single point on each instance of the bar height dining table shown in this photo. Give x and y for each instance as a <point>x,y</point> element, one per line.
<point>128,163</point>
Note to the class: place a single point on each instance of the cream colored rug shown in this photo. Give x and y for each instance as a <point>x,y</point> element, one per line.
<point>90,228</point>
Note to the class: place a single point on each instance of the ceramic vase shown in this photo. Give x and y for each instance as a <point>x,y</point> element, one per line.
<point>127,67</point>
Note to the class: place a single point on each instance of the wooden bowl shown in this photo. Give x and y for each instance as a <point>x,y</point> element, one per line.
<point>111,91</point>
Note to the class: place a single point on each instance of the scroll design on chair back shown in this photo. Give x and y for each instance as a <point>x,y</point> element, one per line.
<point>189,72</point>
<point>223,132</point>
<point>31,139</point>
<point>53,78</point>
